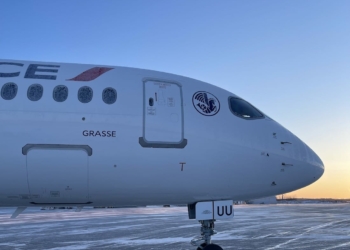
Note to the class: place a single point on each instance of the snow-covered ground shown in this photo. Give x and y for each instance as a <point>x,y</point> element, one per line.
<point>312,201</point>
<point>292,226</point>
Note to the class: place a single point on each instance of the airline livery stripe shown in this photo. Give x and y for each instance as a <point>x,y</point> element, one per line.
<point>90,74</point>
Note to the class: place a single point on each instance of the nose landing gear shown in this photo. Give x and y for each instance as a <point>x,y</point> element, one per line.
<point>207,230</point>
<point>206,212</point>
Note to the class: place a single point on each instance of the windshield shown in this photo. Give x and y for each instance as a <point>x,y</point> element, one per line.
<point>243,109</point>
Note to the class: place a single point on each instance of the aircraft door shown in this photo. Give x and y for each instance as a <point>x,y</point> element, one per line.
<point>57,174</point>
<point>163,119</point>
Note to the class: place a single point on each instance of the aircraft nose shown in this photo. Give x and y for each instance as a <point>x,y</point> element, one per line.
<point>313,165</point>
<point>316,163</point>
<point>302,164</point>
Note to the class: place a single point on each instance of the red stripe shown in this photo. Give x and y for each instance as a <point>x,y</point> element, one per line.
<point>90,74</point>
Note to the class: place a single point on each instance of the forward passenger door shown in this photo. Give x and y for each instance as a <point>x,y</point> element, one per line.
<point>163,119</point>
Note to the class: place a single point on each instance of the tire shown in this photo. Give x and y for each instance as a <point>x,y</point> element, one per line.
<point>203,245</point>
<point>212,247</point>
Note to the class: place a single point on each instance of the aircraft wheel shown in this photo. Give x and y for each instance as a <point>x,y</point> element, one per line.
<point>212,247</point>
<point>202,246</point>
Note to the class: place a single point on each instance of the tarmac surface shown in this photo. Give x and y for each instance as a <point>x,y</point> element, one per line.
<point>304,226</point>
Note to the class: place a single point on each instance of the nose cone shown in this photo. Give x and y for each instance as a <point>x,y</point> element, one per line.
<point>309,167</point>
<point>315,163</point>
<point>305,166</point>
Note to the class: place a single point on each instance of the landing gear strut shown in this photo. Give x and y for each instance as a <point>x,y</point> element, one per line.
<point>207,230</point>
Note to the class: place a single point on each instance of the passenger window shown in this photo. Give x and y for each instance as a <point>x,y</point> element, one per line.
<point>109,95</point>
<point>35,92</point>
<point>243,109</point>
<point>85,94</point>
<point>60,93</point>
<point>9,91</point>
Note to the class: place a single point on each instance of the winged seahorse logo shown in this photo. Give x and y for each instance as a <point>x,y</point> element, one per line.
<point>206,103</point>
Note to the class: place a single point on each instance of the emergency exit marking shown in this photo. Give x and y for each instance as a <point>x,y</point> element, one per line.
<point>182,165</point>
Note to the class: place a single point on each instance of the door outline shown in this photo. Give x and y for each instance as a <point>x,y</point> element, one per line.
<point>159,144</point>
<point>26,148</point>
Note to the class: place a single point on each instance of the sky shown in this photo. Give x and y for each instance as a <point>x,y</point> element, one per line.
<point>291,59</point>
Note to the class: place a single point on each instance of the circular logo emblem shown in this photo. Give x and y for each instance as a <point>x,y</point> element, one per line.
<point>206,103</point>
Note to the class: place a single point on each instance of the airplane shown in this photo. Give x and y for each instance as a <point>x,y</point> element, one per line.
<point>91,135</point>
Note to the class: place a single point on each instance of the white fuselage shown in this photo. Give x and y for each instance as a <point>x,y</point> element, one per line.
<point>137,151</point>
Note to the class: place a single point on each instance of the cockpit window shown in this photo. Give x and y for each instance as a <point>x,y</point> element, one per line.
<point>243,109</point>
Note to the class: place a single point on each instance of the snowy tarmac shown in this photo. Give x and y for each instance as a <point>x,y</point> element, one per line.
<point>305,226</point>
